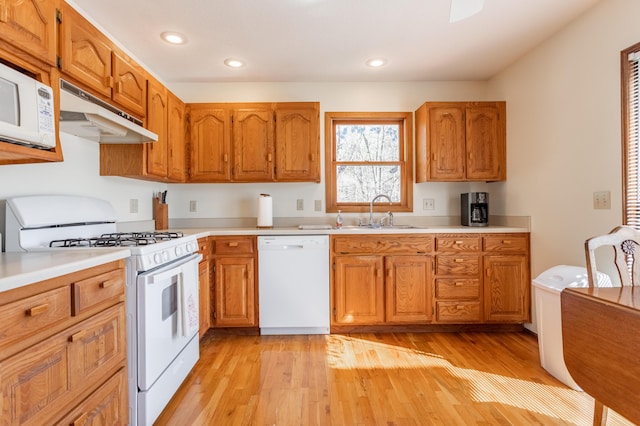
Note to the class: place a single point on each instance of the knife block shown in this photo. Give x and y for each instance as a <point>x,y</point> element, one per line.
<point>160,214</point>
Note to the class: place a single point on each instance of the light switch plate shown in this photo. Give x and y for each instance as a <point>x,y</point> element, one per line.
<point>133,205</point>
<point>193,206</point>
<point>602,200</point>
<point>299,204</point>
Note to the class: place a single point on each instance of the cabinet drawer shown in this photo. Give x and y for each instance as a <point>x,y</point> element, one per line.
<point>447,288</point>
<point>506,243</point>
<point>364,244</point>
<point>233,245</point>
<point>466,265</point>
<point>96,290</point>
<point>32,315</point>
<point>458,244</point>
<point>467,311</point>
<point>107,405</point>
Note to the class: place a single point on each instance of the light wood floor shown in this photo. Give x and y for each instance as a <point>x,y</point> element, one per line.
<point>375,379</point>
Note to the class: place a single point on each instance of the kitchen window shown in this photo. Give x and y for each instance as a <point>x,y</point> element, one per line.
<point>368,154</point>
<point>630,66</point>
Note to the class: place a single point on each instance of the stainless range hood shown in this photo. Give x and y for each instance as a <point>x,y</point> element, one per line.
<point>86,116</point>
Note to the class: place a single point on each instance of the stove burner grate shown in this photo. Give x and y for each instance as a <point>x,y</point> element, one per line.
<point>118,239</point>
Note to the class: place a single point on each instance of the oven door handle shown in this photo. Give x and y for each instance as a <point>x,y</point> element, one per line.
<point>162,276</point>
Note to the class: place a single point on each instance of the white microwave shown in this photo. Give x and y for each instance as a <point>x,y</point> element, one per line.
<point>27,115</point>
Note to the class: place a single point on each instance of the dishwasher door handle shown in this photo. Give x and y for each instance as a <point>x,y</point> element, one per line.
<point>292,247</point>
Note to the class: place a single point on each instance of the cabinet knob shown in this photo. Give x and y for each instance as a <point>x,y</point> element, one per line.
<point>106,284</point>
<point>77,336</point>
<point>81,420</point>
<point>233,244</point>
<point>458,260</point>
<point>37,310</point>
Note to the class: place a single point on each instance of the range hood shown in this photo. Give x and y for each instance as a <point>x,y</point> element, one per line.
<point>86,116</point>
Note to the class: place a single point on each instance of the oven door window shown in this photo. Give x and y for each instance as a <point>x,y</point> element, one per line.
<point>160,318</point>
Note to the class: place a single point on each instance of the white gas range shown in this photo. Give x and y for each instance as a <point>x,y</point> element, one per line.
<point>161,290</point>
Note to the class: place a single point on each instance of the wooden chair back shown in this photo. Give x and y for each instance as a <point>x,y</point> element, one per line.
<point>625,241</point>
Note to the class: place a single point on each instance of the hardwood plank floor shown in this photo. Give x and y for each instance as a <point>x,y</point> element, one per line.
<point>375,379</point>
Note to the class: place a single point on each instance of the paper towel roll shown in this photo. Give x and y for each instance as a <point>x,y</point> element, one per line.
<point>265,211</point>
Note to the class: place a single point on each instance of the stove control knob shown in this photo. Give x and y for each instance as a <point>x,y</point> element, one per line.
<point>178,251</point>
<point>165,256</point>
<point>191,247</point>
<point>157,258</point>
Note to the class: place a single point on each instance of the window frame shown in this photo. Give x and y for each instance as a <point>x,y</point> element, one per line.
<point>405,119</point>
<point>630,147</point>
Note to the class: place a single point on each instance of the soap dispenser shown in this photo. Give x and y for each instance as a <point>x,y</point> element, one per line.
<point>339,220</point>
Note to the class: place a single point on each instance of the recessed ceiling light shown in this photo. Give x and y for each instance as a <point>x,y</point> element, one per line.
<point>173,38</point>
<point>376,62</point>
<point>234,63</point>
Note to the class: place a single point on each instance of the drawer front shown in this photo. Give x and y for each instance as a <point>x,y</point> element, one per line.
<point>463,265</point>
<point>32,315</point>
<point>458,244</point>
<point>364,244</point>
<point>203,246</point>
<point>457,312</point>
<point>233,245</point>
<point>96,290</point>
<point>506,243</point>
<point>449,288</point>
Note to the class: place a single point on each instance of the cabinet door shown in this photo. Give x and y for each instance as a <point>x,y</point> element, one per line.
<point>130,85</point>
<point>297,142</point>
<point>31,26</point>
<point>506,288</point>
<point>86,53</point>
<point>358,292</point>
<point>253,130</point>
<point>157,122</point>
<point>486,141</point>
<point>234,292</point>
<point>210,145</point>
<point>408,289</point>
<point>176,139</point>
<point>205,297</point>
<point>446,142</point>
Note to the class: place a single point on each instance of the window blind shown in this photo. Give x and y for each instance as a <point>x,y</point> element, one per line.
<point>631,109</point>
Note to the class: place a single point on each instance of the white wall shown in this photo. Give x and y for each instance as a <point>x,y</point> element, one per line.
<point>564,133</point>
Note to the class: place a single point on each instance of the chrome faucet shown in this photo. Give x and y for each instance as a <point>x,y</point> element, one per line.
<point>371,206</point>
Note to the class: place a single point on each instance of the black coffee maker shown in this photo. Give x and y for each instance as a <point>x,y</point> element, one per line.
<point>474,208</point>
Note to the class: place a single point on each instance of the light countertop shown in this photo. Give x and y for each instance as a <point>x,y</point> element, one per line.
<point>19,269</point>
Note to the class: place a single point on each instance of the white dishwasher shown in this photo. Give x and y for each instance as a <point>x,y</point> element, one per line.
<point>293,284</point>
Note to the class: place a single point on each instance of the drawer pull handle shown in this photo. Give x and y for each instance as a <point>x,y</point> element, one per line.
<point>107,284</point>
<point>233,244</point>
<point>459,242</point>
<point>459,284</point>
<point>37,310</point>
<point>506,241</point>
<point>77,336</point>
<point>225,158</point>
<point>459,307</point>
<point>269,158</point>
<point>80,420</point>
<point>458,260</point>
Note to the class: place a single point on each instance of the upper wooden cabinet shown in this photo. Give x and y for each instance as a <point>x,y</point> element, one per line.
<point>30,25</point>
<point>461,141</point>
<point>257,142</point>
<point>91,59</point>
<point>162,160</point>
<point>209,143</point>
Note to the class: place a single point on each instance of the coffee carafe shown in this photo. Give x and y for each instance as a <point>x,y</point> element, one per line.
<point>474,208</point>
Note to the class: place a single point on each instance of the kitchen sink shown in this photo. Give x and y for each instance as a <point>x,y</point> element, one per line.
<point>381,228</point>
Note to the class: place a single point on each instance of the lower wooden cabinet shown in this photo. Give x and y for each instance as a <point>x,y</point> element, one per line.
<point>381,280</point>
<point>74,370</point>
<point>233,277</point>
<point>204,287</point>
<point>448,279</point>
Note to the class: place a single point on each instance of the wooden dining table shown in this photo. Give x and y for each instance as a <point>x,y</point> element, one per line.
<point>601,343</point>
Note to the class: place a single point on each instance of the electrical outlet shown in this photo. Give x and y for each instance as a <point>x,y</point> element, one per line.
<point>428,204</point>
<point>299,204</point>
<point>193,206</point>
<point>133,205</point>
<point>602,200</point>
<point>318,205</point>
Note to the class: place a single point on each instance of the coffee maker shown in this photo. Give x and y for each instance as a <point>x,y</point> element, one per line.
<point>474,208</point>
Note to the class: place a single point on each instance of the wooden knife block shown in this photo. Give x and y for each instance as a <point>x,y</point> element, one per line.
<point>160,214</point>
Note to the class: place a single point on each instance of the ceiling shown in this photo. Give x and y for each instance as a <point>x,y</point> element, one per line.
<point>328,40</point>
